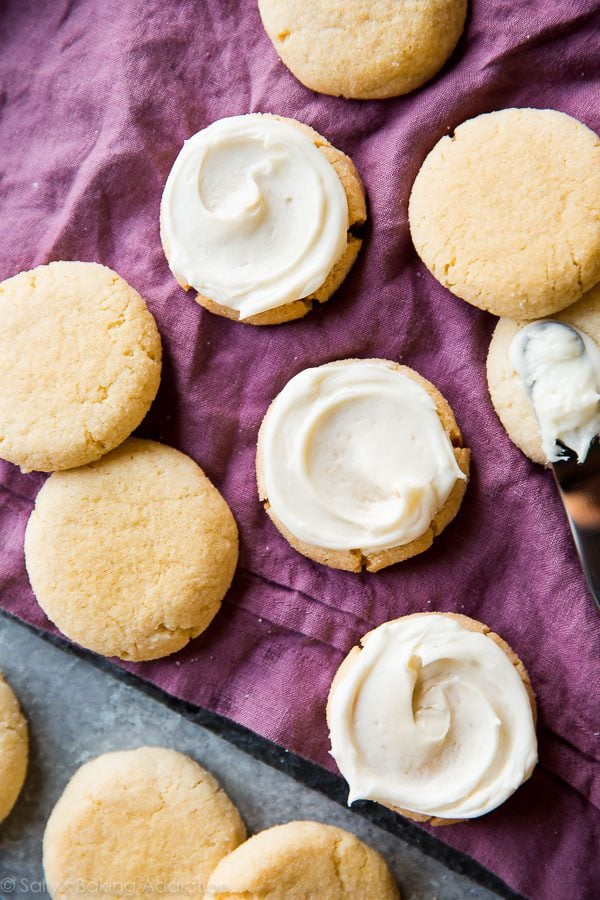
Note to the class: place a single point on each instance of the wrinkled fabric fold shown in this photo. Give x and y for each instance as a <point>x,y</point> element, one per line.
<point>96,100</point>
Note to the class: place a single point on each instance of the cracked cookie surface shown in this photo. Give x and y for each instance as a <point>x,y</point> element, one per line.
<point>80,363</point>
<point>143,819</point>
<point>300,860</point>
<point>131,555</point>
<point>506,211</point>
<point>367,49</point>
<point>13,749</point>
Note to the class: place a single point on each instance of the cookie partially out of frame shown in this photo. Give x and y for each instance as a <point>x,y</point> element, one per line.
<point>132,555</point>
<point>80,363</point>
<point>504,212</point>
<point>507,391</point>
<point>366,50</point>
<point>13,749</point>
<point>303,859</point>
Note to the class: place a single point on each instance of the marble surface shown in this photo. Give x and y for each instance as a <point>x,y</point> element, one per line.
<point>77,711</point>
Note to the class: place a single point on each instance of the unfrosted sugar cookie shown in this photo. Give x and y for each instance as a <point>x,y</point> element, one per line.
<point>256,217</point>
<point>80,362</point>
<point>360,463</point>
<point>132,555</point>
<point>13,749</point>
<point>302,860</point>
<point>566,394</point>
<point>504,212</point>
<point>148,820</point>
<point>366,50</point>
<point>433,716</point>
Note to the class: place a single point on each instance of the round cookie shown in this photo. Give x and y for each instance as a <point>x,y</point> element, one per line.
<point>80,362</point>
<point>471,625</point>
<point>13,749</point>
<point>504,211</point>
<point>300,860</point>
<point>363,50</point>
<point>357,559</point>
<point>142,819</point>
<point>357,214</point>
<point>131,556</point>
<point>507,391</point>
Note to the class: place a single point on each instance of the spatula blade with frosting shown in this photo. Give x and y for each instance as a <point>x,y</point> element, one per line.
<point>560,367</point>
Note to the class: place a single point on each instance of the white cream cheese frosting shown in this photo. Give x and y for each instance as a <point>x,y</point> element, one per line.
<point>433,718</point>
<point>253,215</point>
<point>353,456</point>
<point>560,367</point>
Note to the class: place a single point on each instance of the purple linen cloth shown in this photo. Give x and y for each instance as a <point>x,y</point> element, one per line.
<point>95,102</point>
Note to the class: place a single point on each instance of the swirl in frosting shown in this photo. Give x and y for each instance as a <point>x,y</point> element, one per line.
<point>353,455</point>
<point>253,215</point>
<point>433,718</point>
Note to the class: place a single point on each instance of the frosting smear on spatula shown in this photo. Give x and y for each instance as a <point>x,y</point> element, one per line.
<point>560,367</point>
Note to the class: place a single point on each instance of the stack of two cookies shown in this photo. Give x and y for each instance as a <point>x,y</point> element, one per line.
<point>130,548</point>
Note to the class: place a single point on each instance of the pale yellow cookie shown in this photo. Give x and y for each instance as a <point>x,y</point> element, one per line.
<point>143,819</point>
<point>302,860</point>
<point>80,361</point>
<point>504,212</point>
<point>357,559</point>
<point>357,215</point>
<point>13,749</point>
<point>471,625</point>
<point>507,391</point>
<point>131,556</point>
<point>366,49</point>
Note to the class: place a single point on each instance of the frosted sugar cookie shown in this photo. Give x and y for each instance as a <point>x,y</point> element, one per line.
<point>141,819</point>
<point>504,212</point>
<point>80,362</point>
<point>433,716</point>
<point>256,216</point>
<point>13,749</point>
<point>565,390</point>
<point>131,556</point>
<point>360,463</point>
<point>365,50</point>
<point>301,860</point>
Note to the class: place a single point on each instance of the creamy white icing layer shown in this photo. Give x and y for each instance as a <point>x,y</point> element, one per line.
<point>354,456</point>
<point>253,215</point>
<point>560,367</point>
<point>433,718</point>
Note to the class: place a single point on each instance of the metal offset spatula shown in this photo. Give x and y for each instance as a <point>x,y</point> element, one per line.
<point>579,488</point>
<point>578,479</point>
